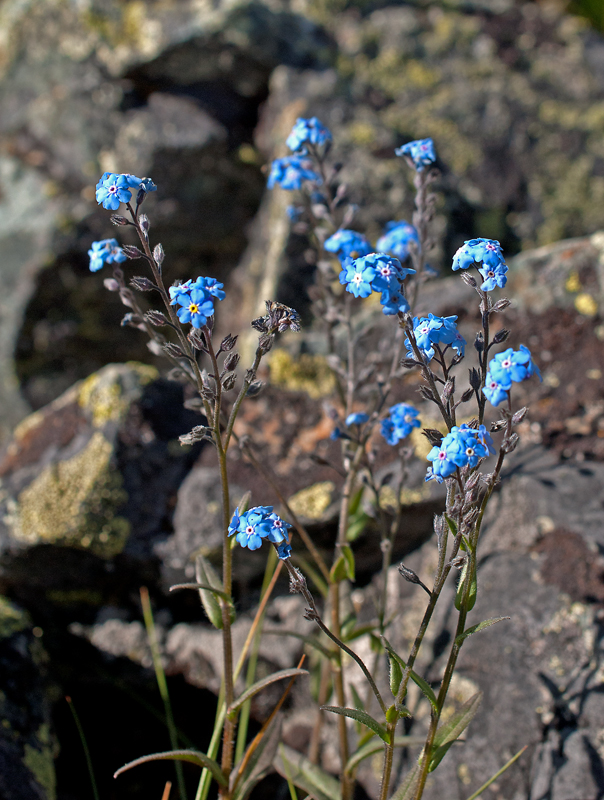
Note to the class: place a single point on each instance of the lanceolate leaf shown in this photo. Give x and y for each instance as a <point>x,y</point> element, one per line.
<point>349,559</point>
<point>375,746</point>
<point>423,685</point>
<point>259,685</point>
<point>452,729</point>
<point>204,586</point>
<point>461,587</point>
<point>206,576</point>
<point>451,524</point>
<point>191,756</point>
<point>407,788</point>
<point>260,761</point>
<point>360,716</point>
<point>486,623</point>
<point>307,776</point>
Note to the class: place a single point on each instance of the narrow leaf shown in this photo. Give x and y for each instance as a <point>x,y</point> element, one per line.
<point>452,525</point>
<point>206,575</point>
<point>359,716</point>
<point>438,755</point>
<point>260,763</point>
<point>259,685</point>
<point>458,722</point>
<point>497,774</point>
<point>349,561</point>
<point>307,776</point>
<point>396,674</point>
<point>406,791</point>
<point>419,681</point>
<point>338,571</point>
<point>486,623</point>
<point>461,587</point>
<point>375,746</point>
<point>192,756</point>
<point>205,586</point>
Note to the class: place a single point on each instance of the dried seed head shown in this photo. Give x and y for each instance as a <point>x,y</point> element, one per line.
<point>231,361</point>
<point>501,336</point>
<point>172,350</point>
<point>228,381</point>
<point>228,343</point>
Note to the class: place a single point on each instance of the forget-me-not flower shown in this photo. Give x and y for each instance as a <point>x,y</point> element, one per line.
<point>421,152</point>
<point>291,172</point>
<point>399,423</point>
<point>307,131</point>
<point>106,251</point>
<point>397,239</point>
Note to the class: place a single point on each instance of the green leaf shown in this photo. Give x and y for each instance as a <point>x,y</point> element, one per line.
<point>259,685</point>
<point>192,756</point>
<point>358,703</point>
<point>406,791</point>
<point>396,674</point>
<point>309,640</point>
<point>461,587</point>
<point>260,762</point>
<point>338,572</point>
<point>355,501</point>
<point>356,526</point>
<point>360,716</point>
<point>351,633</point>
<point>486,623</point>
<point>206,576</point>
<point>452,525</point>
<point>205,586</point>
<point>349,559</point>
<point>309,777</point>
<point>451,730</point>
<point>375,746</point>
<point>423,685</point>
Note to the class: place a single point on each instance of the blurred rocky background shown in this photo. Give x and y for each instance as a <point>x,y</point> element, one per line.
<point>98,498</point>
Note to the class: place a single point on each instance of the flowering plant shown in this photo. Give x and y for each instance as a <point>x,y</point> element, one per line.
<point>350,270</point>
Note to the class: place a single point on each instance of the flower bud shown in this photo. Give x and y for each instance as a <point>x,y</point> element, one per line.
<point>228,381</point>
<point>475,379</point>
<point>254,388</point>
<point>158,254</point>
<point>509,444</point>
<point>140,196</point>
<point>519,415</point>
<point>409,363</point>
<point>469,279</point>
<point>143,221</point>
<point>479,342</point>
<point>228,343</point>
<point>467,395</point>
<point>172,350</point>
<point>198,340</point>
<point>132,252</point>
<point>433,436</point>
<point>501,336</point>
<point>501,305</point>
<point>142,284</point>
<point>231,361</point>
<point>111,284</point>
<point>117,219</point>
<point>156,318</point>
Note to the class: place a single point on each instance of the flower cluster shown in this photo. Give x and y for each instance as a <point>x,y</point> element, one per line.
<point>399,423</point>
<point>511,366</point>
<point>348,244</point>
<point>461,447</point>
<point>196,300</point>
<point>307,131</point>
<point>261,523</point>
<point>113,189</point>
<point>420,152</point>
<point>291,172</point>
<point>377,272</point>
<point>432,330</point>
<point>487,253</point>
<point>107,251</point>
<point>397,238</point>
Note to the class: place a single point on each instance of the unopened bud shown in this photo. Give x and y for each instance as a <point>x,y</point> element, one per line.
<point>156,318</point>
<point>228,381</point>
<point>408,574</point>
<point>509,443</point>
<point>228,343</point>
<point>198,340</point>
<point>426,393</point>
<point>117,219</point>
<point>475,379</point>
<point>254,388</point>
<point>265,342</point>
<point>140,196</point>
<point>409,363</point>
<point>143,221</point>
<point>498,425</point>
<point>519,416</point>
<point>158,254</point>
<point>132,252</point>
<point>501,336</point>
<point>467,395</point>
<point>501,305</point>
<point>173,350</point>
<point>469,279</point>
<point>231,361</point>
<point>448,390</point>
<point>479,342</point>
<point>473,481</point>
<point>433,436</point>
<point>111,284</point>
<point>142,284</point>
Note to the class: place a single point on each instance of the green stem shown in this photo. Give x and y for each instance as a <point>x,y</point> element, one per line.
<point>76,719</point>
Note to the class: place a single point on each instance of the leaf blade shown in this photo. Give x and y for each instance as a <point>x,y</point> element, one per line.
<point>192,756</point>
<point>308,776</point>
<point>486,623</point>
<point>259,685</point>
<point>360,716</point>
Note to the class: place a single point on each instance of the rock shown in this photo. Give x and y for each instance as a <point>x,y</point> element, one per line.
<point>27,742</point>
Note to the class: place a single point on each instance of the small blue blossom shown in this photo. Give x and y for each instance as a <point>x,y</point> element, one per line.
<point>357,278</point>
<point>309,131</point>
<point>358,418</point>
<point>148,185</point>
<point>397,238</point>
<point>195,308</point>
<point>399,423</point>
<point>493,391</point>
<point>337,434</point>
<point>432,330</point>
<point>461,447</point>
<point>421,152</point>
<point>394,302</point>
<point>107,251</point>
<point>513,366</point>
<point>113,191</point>
<point>211,286</point>
<point>291,172</point>
<point>348,244</point>
<point>377,272</point>
<point>284,550</point>
<point>257,524</point>
<point>485,439</point>
<point>179,289</point>
<point>487,253</point>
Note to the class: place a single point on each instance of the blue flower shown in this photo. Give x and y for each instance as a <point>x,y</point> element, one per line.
<point>257,524</point>
<point>513,366</point>
<point>377,272</point>
<point>397,238</point>
<point>196,307</point>
<point>107,251</point>
<point>113,191</point>
<point>358,418</point>
<point>148,185</point>
<point>393,302</point>
<point>284,550</point>
<point>442,466</point>
<point>493,391</point>
<point>307,131</point>
<point>179,289</point>
<point>357,278</point>
<point>211,286</point>
<point>461,447</point>
<point>486,252</point>
<point>485,439</point>
<point>399,423</point>
<point>421,152</point>
<point>432,330</point>
<point>348,244</point>
<point>291,172</point>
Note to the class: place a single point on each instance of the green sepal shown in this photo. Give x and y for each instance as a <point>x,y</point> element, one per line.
<point>396,674</point>
<point>360,716</point>
<point>486,623</point>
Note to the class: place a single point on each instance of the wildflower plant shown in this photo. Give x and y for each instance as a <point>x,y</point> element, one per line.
<point>366,410</point>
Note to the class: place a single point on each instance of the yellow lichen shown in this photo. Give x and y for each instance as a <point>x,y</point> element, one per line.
<point>73,502</point>
<point>12,619</point>
<point>586,305</point>
<point>573,284</point>
<point>307,373</point>
<point>107,394</point>
<point>313,501</point>
<point>40,762</point>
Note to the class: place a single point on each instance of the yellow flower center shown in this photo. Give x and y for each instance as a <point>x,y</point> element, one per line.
<point>194,308</point>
